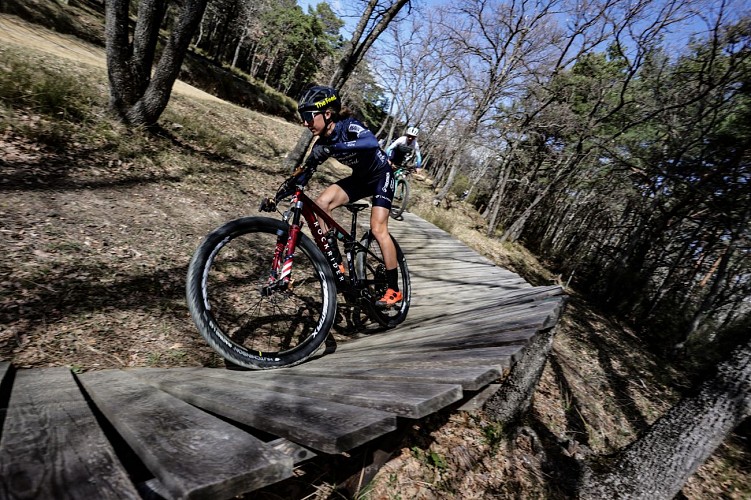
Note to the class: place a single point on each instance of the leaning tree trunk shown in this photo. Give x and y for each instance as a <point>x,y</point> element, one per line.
<point>136,96</point>
<point>361,43</point>
<point>658,464</point>
<point>514,398</point>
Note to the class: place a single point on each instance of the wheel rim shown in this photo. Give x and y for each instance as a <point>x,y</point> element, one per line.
<point>264,325</point>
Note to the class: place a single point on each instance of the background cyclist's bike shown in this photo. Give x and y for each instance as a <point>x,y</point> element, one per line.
<point>401,191</point>
<point>264,295</point>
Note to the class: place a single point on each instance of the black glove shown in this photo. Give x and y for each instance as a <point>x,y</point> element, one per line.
<point>304,176</point>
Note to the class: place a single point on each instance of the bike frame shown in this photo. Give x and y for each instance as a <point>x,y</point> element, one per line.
<point>402,172</point>
<point>302,207</point>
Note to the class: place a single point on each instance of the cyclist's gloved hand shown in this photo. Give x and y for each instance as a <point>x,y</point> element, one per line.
<point>303,175</point>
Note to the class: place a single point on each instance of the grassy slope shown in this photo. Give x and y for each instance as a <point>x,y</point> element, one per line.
<point>98,224</point>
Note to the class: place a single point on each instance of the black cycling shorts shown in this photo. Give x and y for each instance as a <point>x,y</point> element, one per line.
<point>380,186</point>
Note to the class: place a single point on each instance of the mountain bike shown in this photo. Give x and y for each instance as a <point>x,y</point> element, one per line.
<point>264,295</point>
<point>401,190</point>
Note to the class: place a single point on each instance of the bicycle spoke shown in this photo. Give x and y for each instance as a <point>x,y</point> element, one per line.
<point>276,321</point>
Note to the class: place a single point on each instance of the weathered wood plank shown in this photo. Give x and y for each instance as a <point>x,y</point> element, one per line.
<point>52,446</point>
<point>505,318</point>
<point>486,315</point>
<point>413,400</point>
<point>431,264</point>
<point>480,337</point>
<point>191,453</point>
<point>497,356</point>
<point>4,368</point>
<point>471,378</point>
<point>323,425</point>
<point>464,277</point>
<point>492,299</point>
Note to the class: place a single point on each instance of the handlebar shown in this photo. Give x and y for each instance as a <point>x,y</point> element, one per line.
<point>287,188</point>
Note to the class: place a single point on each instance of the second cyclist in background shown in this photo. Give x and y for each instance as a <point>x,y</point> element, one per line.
<point>405,149</point>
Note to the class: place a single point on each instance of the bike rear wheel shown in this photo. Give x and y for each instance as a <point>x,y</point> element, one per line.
<point>370,267</point>
<point>241,317</point>
<point>401,198</point>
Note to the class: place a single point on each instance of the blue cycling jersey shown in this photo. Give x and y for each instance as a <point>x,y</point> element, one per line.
<point>355,146</point>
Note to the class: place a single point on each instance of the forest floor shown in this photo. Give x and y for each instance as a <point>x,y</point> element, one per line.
<point>96,237</point>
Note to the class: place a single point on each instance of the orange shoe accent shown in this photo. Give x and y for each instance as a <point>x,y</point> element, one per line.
<point>390,298</point>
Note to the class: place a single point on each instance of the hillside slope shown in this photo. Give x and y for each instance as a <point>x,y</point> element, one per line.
<point>97,224</point>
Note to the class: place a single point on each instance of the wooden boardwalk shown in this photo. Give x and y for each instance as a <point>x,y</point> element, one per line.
<point>214,433</point>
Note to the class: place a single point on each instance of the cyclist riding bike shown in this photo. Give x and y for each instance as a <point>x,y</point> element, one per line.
<point>341,136</point>
<point>406,148</point>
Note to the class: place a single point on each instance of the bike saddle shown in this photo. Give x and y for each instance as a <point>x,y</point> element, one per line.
<point>356,207</point>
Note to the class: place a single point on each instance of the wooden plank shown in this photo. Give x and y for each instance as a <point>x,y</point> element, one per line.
<point>431,358</point>
<point>464,276</point>
<point>502,364</point>
<point>477,401</point>
<point>504,299</point>
<point>327,426</point>
<point>4,390</point>
<point>431,264</point>
<point>500,308</point>
<point>412,400</point>
<point>4,369</point>
<point>52,446</point>
<point>505,318</point>
<point>191,453</point>
<point>446,340</point>
<point>471,378</point>
<point>462,288</point>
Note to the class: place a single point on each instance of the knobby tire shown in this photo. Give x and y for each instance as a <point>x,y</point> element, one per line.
<point>369,266</point>
<point>245,326</point>
<point>401,198</point>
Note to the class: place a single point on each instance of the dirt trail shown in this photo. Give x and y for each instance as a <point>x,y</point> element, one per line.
<point>17,31</point>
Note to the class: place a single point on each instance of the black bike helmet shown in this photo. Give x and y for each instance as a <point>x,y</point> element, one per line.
<point>318,98</point>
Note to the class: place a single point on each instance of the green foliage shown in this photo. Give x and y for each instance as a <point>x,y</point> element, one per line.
<point>493,434</point>
<point>461,184</point>
<point>430,458</point>
<point>275,42</point>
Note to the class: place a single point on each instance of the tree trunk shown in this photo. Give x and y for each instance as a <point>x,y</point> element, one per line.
<point>514,397</point>
<point>658,464</point>
<point>135,96</point>
<point>347,64</point>
<point>239,45</point>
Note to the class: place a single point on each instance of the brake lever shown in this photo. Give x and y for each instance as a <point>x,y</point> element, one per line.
<point>267,205</point>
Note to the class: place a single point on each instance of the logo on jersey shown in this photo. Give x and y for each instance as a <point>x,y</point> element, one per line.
<point>389,184</point>
<point>357,129</point>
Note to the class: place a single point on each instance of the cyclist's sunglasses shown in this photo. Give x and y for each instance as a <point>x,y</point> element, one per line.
<point>308,116</point>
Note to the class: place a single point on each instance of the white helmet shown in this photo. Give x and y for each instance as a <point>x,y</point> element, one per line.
<point>413,131</point>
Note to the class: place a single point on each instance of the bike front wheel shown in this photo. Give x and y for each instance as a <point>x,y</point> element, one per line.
<point>371,270</point>
<point>239,308</point>
<point>401,198</point>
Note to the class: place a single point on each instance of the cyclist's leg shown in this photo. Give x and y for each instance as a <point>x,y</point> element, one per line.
<point>379,225</point>
<point>332,197</point>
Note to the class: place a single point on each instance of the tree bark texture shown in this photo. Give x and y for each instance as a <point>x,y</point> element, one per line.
<point>514,398</point>
<point>657,465</point>
<point>136,96</point>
